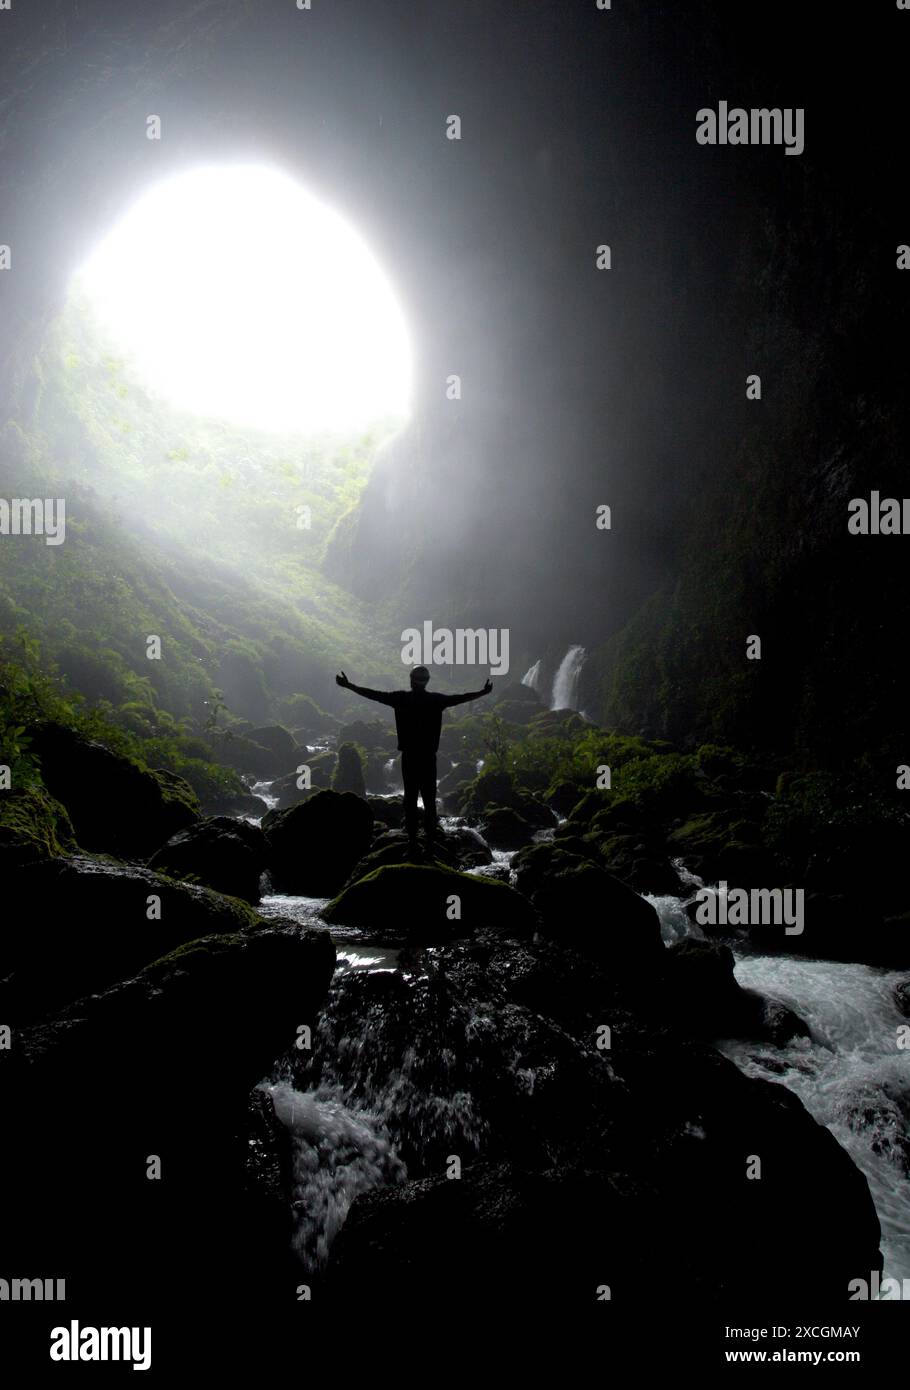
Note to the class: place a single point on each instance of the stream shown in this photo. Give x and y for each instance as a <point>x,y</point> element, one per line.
<point>850,1075</point>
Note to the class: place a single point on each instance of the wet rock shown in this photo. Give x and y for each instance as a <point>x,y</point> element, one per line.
<point>154,1073</point>
<point>314,846</point>
<point>703,997</point>
<point>225,854</point>
<point>413,903</point>
<point>675,1130</point>
<point>902,997</point>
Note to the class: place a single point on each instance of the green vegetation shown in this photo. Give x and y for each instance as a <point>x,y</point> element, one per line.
<point>204,535</point>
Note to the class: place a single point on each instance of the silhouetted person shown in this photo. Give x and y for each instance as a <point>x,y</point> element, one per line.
<point>418,723</point>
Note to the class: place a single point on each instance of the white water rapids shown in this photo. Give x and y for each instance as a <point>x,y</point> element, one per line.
<point>851,1076</point>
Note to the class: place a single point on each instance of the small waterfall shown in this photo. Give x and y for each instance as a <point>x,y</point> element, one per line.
<point>531,677</point>
<point>565,682</point>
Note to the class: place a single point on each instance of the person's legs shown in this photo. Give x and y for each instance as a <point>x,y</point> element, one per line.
<point>428,795</point>
<point>410,776</point>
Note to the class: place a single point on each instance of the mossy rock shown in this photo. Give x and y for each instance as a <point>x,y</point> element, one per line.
<point>94,929</point>
<point>506,829</point>
<point>32,826</point>
<point>411,902</point>
<point>177,790</point>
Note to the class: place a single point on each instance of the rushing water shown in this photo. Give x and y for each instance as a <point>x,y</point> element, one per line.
<point>565,682</point>
<point>851,1076</point>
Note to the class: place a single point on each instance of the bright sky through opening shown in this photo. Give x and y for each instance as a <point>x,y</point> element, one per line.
<point>238,295</point>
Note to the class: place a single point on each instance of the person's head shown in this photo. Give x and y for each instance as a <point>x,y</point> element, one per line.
<point>419,678</point>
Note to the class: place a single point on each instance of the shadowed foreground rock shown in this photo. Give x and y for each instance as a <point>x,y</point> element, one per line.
<point>116,807</point>
<point>670,1210</point>
<point>158,1067</point>
<point>314,846</point>
<point>77,925</point>
<point>224,854</point>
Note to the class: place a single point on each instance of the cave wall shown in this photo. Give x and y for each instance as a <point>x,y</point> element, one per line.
<point>580,387</point>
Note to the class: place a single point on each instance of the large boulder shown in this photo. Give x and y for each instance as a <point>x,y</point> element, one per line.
<point>701,994</point>
<point>680,1187</point>
<point>594,913</point>
<point>73,926</point>
<point>223,853</point>
<point>314,846</point>
<point>461,848</point>
<point>116,807</point>
<point>280,743</point>
<point>577,1161</point>
<point>413,903</point>
<point>150,1079</point>
<point>545,858</point>
<point>506,829</point>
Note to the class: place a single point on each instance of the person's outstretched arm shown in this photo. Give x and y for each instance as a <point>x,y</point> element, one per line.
<point>468,695</point>
<point>383,697</point>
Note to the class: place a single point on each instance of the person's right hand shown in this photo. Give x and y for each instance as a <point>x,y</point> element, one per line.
<point>341,679</point>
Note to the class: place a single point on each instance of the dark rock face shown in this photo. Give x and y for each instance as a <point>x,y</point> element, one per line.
<point>594,913</point>
<point>159,1065</point>
<point>92,928</point>
<point>411,902</point>
<point>314,846</point>
<point>225,854</point>
<point>577,1162</point>
<point>701,995</point>
<point>114,805</point>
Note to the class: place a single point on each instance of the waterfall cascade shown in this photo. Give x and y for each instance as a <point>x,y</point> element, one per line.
<point>565,682</point>
<point>531,677</point>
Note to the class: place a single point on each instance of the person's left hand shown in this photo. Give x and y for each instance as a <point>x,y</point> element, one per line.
<point>488,687</point>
